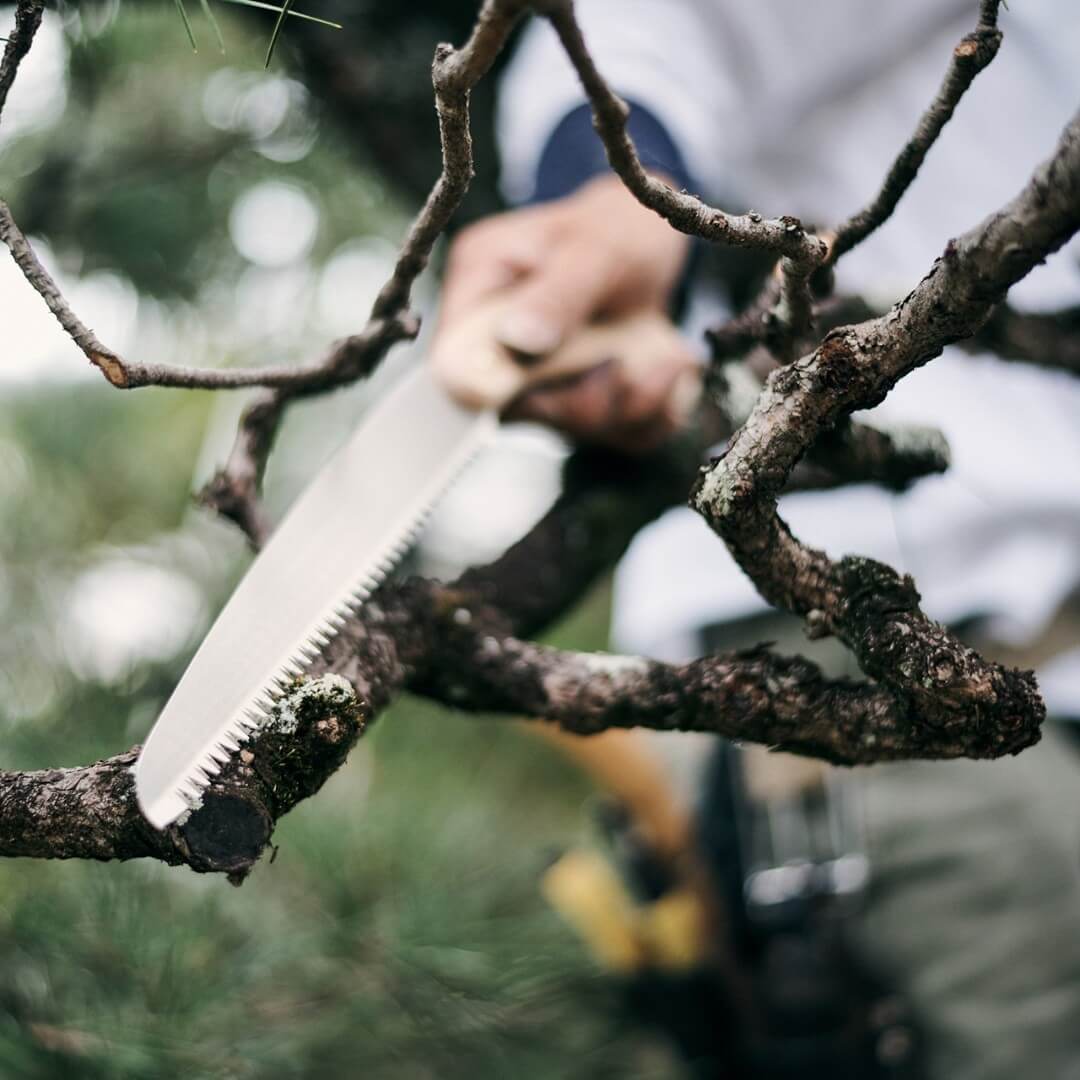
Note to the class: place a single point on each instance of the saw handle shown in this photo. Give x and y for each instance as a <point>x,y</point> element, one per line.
<point>482,373</point>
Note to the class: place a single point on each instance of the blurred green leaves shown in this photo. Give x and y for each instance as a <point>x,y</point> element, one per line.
<point>137,175</point>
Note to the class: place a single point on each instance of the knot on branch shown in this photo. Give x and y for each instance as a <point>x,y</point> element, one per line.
<point>977,49</point>
<point>837,362</point>
<point>720,493</point>
<point>112,367</point>
<point>981,708</point>
<point>443,69</point>
<point>872,591</point>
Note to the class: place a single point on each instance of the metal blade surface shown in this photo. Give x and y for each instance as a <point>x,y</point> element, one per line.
<point>336,544</point>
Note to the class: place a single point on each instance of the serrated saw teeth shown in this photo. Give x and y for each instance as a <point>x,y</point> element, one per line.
<point>191,793</point>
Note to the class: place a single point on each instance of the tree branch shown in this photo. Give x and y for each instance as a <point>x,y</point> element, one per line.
<point>893,458</point>
<point>1047,340</point>
<point>783,310</point>
<point>973,53</point>
<point>800,252</point>
<point>111,366</point>
<point>850,453</point>
<point>234,490</point>
<point>27,20</point>
<point>868,606</point>
<point>443,643</point>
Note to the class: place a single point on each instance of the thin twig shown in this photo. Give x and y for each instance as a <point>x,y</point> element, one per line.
<point>973,53</point>
<point>234,490</point>
<point>783,308</point>
<point>800,251</point>
<point>112,367</point>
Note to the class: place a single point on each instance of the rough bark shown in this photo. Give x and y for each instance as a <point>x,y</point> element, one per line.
<point>867,605</point>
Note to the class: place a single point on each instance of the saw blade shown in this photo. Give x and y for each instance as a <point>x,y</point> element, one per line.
<point>340,539</point>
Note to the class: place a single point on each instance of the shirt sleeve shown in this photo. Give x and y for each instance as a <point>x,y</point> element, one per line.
<point>573,154</point>
<point>660,55</point>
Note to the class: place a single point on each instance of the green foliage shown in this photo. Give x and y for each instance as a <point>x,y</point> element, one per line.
<point>135,178</point>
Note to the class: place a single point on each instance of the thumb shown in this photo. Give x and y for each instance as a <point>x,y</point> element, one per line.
<point>562,295</point>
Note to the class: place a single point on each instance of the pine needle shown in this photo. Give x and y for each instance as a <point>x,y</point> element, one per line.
<point>214,23</point>
<point>187,24</point>
<point>294,14</point>
<point>282,15</point>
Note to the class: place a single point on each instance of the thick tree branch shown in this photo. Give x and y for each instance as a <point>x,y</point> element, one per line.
<point>91,812</point>
<point>785,703</point>
<point>867,605</point>
<point>461,644</point>
<point>444,643</point>
<point>1045,339</point>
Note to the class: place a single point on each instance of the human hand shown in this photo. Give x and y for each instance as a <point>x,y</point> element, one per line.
<point>545,273</point>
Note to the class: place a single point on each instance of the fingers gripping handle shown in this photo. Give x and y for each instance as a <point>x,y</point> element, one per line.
<point>482,373</point>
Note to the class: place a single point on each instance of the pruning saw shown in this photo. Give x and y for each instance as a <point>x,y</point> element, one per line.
<point>344,534</point>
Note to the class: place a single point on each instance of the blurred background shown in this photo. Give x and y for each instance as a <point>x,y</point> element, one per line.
<point>198,208</point>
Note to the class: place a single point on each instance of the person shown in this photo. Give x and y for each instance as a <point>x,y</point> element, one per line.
<point>800,109</point>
